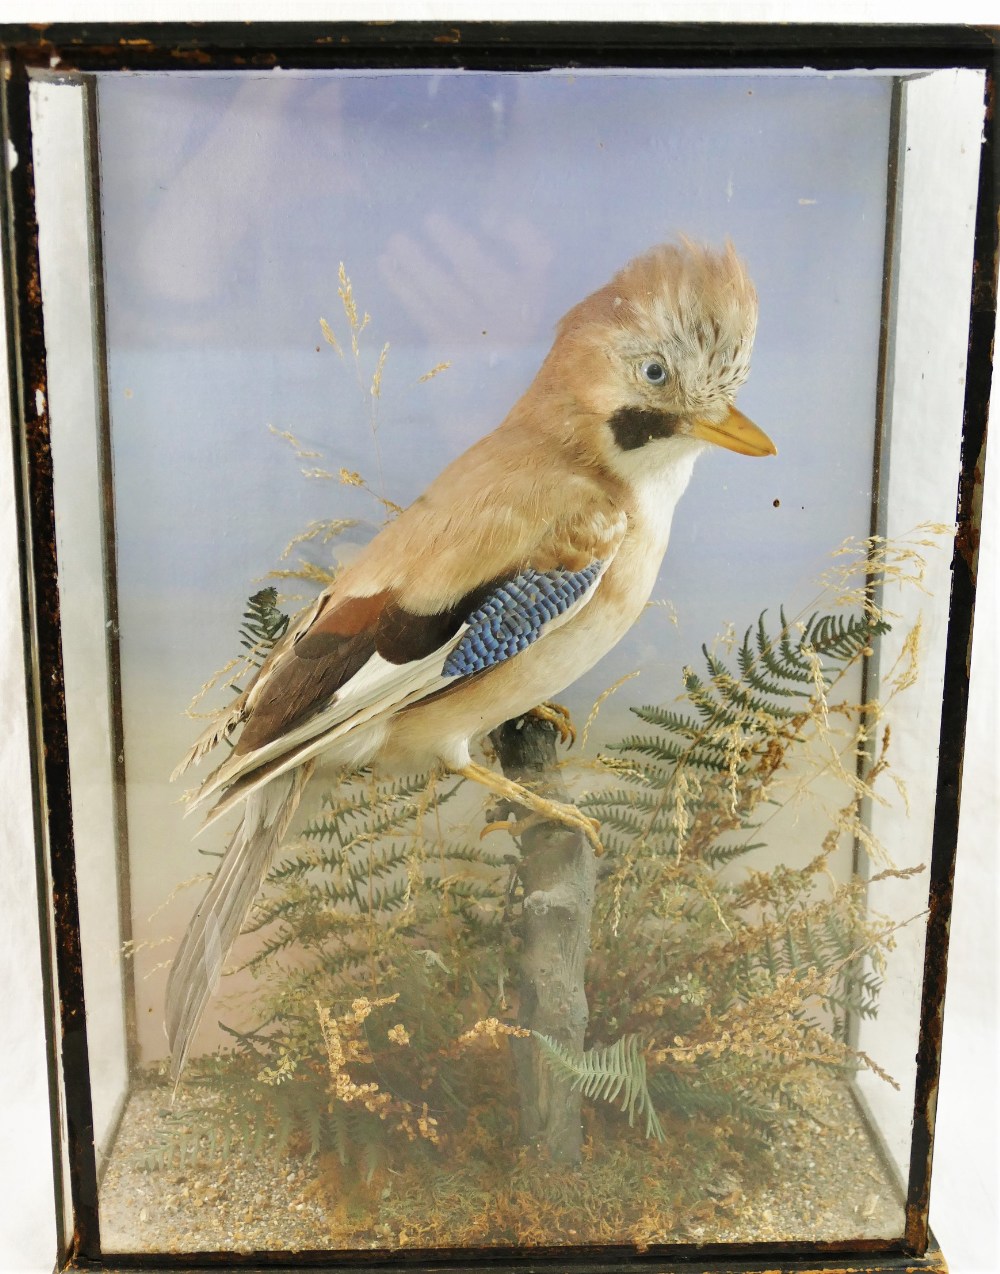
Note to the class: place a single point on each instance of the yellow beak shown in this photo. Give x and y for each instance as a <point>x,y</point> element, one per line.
<point>736,433</point>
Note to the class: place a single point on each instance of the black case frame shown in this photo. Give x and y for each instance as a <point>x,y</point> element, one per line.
<point>494,46</point>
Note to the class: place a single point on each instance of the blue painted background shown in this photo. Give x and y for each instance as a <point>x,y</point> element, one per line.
<point>471,210</point>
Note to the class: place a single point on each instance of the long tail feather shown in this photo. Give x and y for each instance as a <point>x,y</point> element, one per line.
<point>215,926</point>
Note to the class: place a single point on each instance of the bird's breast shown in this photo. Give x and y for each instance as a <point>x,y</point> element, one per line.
<point>632,575</point>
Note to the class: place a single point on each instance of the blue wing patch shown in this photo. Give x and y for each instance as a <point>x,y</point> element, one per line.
<point>514,615</point>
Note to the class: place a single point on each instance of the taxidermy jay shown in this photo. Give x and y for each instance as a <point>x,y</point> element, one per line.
<point>520,566</point>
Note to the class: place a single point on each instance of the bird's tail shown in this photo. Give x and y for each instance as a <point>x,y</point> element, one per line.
<point>215,926</point>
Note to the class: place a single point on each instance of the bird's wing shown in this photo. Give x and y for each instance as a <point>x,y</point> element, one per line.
<point>361,657</point>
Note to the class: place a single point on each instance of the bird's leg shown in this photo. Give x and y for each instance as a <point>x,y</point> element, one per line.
<point>508,790</point>
<point>556,715</point>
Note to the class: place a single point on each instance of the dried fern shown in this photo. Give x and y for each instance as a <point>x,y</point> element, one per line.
<point>722,989</point>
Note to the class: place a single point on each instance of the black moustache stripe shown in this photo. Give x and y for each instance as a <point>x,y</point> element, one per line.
<point>633,427</point>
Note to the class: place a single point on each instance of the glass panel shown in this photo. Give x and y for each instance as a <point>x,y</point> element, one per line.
<point>924,404</point>
<point>59,114</point>
<point>441,1027</point>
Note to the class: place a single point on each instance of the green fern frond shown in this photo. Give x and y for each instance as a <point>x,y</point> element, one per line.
<point>667,719</point>
<point>263,624</point>
<point>778,656</point>
<point>706,754</point>
<point>712,1097</point>
<point>735,703</point>
<point>720,854</point>
<point>841,637</point>
<point>767,677</point>
<point>604,1073</point>
<point>791,654</point>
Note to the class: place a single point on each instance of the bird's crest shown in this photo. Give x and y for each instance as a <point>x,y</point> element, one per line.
<point>687,301</point>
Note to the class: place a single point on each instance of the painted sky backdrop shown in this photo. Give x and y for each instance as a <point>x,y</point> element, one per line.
<point>471,210</point>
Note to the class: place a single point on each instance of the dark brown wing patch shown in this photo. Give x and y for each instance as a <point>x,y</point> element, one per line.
<point>297,687</point>
<point>403,637</point>
<point>338,643</point>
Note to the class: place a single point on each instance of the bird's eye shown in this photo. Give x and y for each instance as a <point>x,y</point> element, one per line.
<point>653,371</point>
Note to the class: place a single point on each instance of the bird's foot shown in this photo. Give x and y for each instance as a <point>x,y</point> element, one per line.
<point>559,716</point>
<point>554,811</point>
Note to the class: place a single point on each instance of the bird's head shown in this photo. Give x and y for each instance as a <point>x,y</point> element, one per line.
<point>655,358</point>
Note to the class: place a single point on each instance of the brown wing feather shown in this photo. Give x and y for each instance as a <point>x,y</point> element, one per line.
<point>333,623</point>
<point>340,640</point>
<point>296,687</point>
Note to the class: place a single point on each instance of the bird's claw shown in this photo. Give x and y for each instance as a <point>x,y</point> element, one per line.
<point>558,716</point>
<point>541,808</point>
<point>590,827</point>
<point>516,827</point>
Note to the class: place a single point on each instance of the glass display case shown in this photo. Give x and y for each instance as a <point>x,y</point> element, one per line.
<point>500,517</point>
